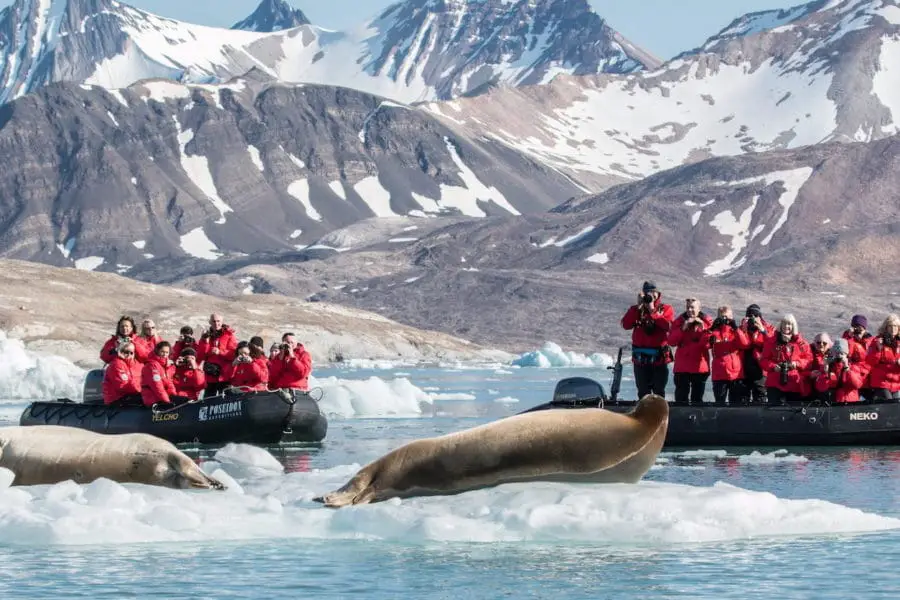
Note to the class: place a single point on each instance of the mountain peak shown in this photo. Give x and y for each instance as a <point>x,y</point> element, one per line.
<point>273,15</point>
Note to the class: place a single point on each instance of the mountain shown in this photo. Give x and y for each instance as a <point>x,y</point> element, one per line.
<point>415,50</point>
<point>828,70</point>
<point>167,171</point>
<point>272,15</point>
<point>806,231</point>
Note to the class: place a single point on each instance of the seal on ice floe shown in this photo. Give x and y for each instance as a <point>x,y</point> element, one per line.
<point>46,454</point>
<point>578,446</point>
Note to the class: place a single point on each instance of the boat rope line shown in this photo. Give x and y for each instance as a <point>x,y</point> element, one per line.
<point>49,412</point>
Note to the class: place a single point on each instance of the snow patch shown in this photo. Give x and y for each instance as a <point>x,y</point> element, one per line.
<point>89,263</point>
<point>256,158</point>
<point>600,259</point>
<point>300,191</point>
<point>197,244</point>
<point>375,196</point>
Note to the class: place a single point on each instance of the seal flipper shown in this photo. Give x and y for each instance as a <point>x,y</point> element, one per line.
<point>359,490</point>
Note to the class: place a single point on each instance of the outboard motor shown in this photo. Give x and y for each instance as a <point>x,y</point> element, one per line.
<point>93,387</point>
<point>578,392</point>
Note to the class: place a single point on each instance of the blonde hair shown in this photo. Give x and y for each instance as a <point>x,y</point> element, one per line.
<point>789,318</point>
<point>891,319</point>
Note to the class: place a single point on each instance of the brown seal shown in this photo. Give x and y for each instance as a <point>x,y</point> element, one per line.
<point>568,445</point>
<point>46,454</point>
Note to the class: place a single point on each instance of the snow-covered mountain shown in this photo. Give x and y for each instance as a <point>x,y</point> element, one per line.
<point>165,170</point>
<point>828,70</point>
<point>415,50</point>
<point>272,15</point>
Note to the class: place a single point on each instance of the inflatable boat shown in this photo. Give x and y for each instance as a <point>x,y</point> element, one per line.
<point>757,425</point>
<point>265,417</point>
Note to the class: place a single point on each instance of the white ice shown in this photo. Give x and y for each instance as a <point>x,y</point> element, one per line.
<point>263,503</point>
<point>552,355</point>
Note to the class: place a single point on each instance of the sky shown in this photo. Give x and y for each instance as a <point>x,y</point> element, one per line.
<point>663,27</point>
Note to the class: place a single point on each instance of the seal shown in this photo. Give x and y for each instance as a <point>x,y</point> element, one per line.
<point>46,454</point>
<point>578,446</point>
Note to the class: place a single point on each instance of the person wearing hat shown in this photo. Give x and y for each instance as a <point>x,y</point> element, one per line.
<point>189,379</point>
<point>185,340</point>
<point>650,321</point>
<point>821,353</point>
<point>840,379</point>
<point>758,331</point>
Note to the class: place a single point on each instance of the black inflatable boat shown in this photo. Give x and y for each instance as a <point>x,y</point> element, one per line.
<point>267,417</point>
<point>710,425</point>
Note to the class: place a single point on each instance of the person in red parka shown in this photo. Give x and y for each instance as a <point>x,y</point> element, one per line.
<point>690,337</point>
<point>883,361</point>
<point>785,357</point>
<point>650,321</point>
<point>758,331</point>
<point>157,385</point>
<point>839,378</point>
<point>727,341</point>
<point>859,339</point>
<point>148,339</point>
<point>189,378</point>
<point>186,339</point>
<point>290,366</point>
<point>125,332</point>
<point>821,353</point>
<point>122,378</point>
<point>216,349</point>
<point>248,372</point>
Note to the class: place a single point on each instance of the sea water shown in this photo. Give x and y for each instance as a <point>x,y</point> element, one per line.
<point>741,523</point>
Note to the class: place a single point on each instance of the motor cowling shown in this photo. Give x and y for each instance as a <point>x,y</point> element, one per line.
<point>578,392</point>
<point>92,392</point>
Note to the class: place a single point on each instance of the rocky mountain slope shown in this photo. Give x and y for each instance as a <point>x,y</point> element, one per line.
<point>71,314</point>
<point>163,170</point>
<point>414,50</point>
<point>272,15</point>
<point>810,231</point>
<point>823,71</point>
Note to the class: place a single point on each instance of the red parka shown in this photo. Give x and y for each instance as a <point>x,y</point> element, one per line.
<point>189,382</point>
<point>728,344</point>
<point>148,345</point>
<point>859,349</point>
<point>884,368</point>
<point>178,346</point>
<point>844,381</point>
<point>109,348</point>
<point>227,343</point>
<point>253,375</point>
<point>692,344</point>
<point>796,351</point>
<point>156,381</point>
<point>121,378</point>
<point>292,372</point>
<point>650,330</point>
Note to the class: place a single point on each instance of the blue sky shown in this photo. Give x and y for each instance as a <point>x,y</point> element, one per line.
<point>664,27</point>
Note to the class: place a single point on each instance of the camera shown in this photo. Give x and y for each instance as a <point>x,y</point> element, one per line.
<point>647,298</point>
<point>285,348</point>
<point>188,339</point>
<point>719,322</point>
<point>784,372</point>
<point>181,361</point>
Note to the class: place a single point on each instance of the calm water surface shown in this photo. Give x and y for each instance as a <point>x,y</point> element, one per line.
<point>818,564</point>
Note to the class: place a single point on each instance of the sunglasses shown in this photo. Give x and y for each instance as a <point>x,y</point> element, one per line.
<point>127,352</point>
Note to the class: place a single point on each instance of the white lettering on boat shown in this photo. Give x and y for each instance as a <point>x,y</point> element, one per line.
<point>226,410</point>
<point>864,416</point>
